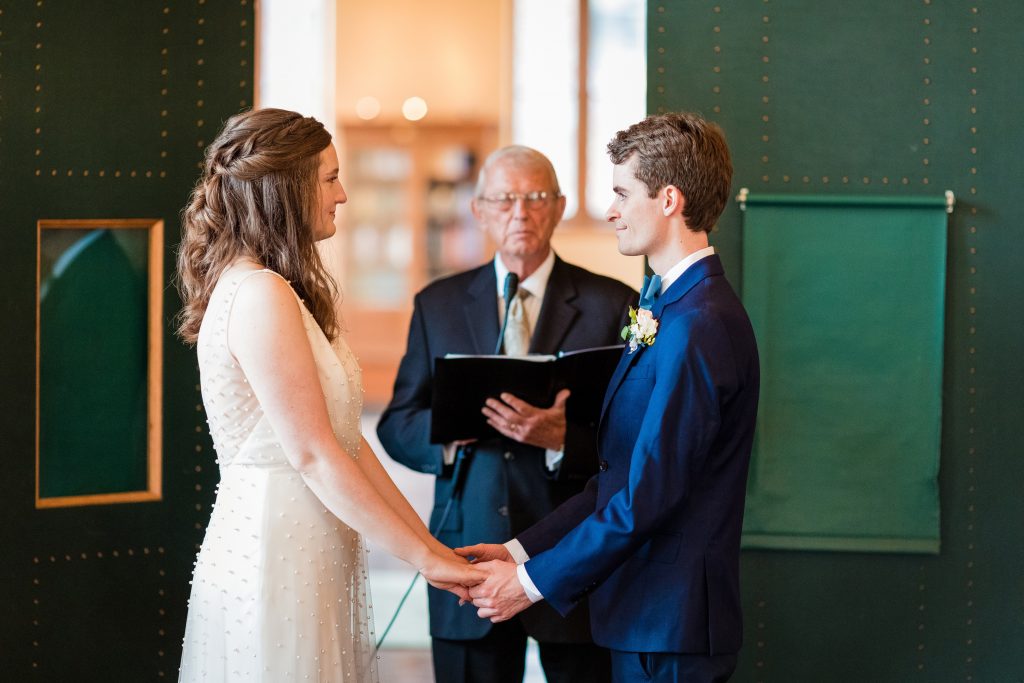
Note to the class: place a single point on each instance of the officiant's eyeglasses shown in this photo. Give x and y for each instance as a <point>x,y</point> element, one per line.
<point>531,200</point>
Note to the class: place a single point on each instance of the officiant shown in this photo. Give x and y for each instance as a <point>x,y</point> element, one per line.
<point>539,458</point>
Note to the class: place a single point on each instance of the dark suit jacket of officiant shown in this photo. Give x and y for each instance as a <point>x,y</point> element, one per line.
<point>507,486</point>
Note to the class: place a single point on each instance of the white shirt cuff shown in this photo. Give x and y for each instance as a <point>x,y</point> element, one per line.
<point>516,550</point>
<point>531,590</point>
<point>553,458</point>
<point>448,450</point>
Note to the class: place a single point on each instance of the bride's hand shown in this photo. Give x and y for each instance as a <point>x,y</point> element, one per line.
<point>450,573</point>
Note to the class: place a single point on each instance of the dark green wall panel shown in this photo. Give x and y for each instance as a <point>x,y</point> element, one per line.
<point>105,109</point>
<point>887,98</point>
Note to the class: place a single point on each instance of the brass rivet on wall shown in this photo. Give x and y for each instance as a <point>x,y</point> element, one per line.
<point>765,19</point>
<point>846,179</point>
<point>866,180</point>
<point>764,138</point>
<point>117,174</point>
<point>926,101</point>
<point>924,181</point>
<point>716,9</point>
<point>764,58</point>
<point>764,159</point>
<point>927,81</point>
<point>38,152</point>
<point>716,89</point>
<point>926,60</point>
<point>764,117</point>
<point>717,29</point>
<point>200,21</point>
<point>764,39</point>
<point>70,173</point>
<point>764,98</point>
<point>807,179</point>
<point>661,51</point>
<point>244,62</point>
<point>38,172</point>
<point>924,161</point>
<point>39,46</point>
<point>661,29</point>
<point>102,173</point>
<point>53,172</point>
<point>885,180</point>
<point>926,122</point>
<point>200,61</point>
<point>718,49</point>
<point>163,51</point>
<point>764,79</point>
<point>717,109</point>
<point>927,41</point>
<point>661,70</point>
<point>764,178</point>
<point>785,178</point>
<point>824,179</point>
<point>926,141</point>
<point>245,42</point>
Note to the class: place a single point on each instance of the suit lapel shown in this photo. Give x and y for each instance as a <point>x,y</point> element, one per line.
<point>481,310</point>
<point>699,271</point>
<point>557,313</point>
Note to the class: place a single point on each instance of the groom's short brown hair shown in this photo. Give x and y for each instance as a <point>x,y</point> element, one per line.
<point>683,150</point>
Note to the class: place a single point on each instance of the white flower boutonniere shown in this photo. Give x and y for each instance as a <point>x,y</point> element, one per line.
<point>642,328</point>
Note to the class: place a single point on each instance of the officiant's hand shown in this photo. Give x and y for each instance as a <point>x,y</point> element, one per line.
<point>485,552</point>
<point>525,423</point>
<point>500,596</point>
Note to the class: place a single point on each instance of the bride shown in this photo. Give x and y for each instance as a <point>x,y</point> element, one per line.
<point>279,590</point>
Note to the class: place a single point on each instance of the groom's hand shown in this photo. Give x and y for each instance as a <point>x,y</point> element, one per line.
<point>484,552</point>
<point>500,596</point>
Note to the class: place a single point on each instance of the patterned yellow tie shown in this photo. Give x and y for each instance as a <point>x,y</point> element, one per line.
<point>517,332</point>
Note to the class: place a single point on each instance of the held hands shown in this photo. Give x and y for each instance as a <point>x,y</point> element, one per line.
<point>451,572</point>
<point>500,596</point>
<point>522,422</point>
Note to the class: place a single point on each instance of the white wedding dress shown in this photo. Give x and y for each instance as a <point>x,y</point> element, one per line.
<point>280,588</point>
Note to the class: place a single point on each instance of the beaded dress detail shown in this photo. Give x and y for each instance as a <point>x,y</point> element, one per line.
<point>280,590</point>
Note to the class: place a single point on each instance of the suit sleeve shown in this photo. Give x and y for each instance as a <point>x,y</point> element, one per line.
<point>676,434</point>
<point>404,428</point>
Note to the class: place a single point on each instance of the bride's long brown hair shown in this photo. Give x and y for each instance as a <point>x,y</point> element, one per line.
<point>257,198</point>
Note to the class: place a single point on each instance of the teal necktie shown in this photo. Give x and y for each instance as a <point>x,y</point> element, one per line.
<point>650,291</point>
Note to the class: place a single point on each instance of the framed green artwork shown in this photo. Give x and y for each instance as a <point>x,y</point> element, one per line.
<point>98,361</point>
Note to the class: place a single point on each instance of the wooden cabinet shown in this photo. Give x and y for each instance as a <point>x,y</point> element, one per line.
<point>407,222</point>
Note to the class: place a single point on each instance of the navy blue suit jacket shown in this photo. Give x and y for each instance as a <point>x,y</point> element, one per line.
<point>508,487</point>
<point>654,538</point>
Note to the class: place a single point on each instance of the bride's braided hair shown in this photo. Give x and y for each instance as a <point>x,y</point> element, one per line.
<point>257,198</point>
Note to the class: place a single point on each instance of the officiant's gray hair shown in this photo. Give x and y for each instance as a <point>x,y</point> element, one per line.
<point>518,155</point>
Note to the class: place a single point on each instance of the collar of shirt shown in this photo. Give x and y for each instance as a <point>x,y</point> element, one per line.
<point>678,269</point>
<point>536,285</point>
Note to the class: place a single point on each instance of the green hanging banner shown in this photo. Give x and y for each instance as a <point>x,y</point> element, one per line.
<point>847,297</point>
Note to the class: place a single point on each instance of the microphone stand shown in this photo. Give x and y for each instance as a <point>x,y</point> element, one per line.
<point>461,469</point>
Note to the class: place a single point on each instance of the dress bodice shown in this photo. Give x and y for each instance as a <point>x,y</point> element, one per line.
<point>241,432</point>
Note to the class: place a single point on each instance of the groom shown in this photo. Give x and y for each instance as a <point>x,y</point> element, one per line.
<point>654,538</point>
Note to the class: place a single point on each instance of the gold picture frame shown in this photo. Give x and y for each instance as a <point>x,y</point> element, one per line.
<point>99,357</point>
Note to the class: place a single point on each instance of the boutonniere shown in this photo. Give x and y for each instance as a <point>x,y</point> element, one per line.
<point>641,330</point>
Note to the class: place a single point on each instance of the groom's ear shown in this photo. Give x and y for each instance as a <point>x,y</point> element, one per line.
<point>672,200</point>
